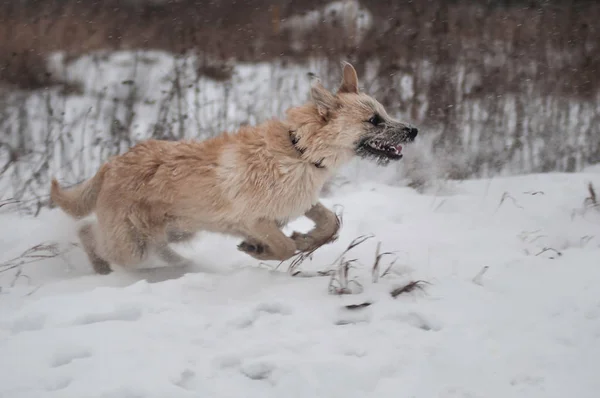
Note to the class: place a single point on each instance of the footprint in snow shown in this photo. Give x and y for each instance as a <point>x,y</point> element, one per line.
<point>66,356</point>
<point>257,370</point>
<point>117,314</point>
<point>186,379</point>
<point>59,384</point>
<point>248,320</point>
<point>420,321</point>
<point>28,323</point>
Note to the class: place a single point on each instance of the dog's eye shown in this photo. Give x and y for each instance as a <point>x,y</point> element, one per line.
<point>375,120</point>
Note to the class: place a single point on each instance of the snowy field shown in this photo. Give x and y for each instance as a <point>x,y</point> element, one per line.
<point>511,308</point>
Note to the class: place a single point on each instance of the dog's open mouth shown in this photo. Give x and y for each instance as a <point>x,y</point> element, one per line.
<point>382,149</point>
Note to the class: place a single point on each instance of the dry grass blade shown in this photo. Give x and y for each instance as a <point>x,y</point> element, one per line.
<point>357,306</point>
<point>376,266</point>
<point>375,272</point>
<point>547,249</point>
<point>389,268</point>
<point>592,200</point>
<point>408,288</point>
<point>8,202</point>
<point>478,279</point>
<point>340,283</point>
<point>586,239</point>
<point>357,241</point>
<point>36,253</point>
<point>505,196</point>
<point>343,274</point>
<point>313,274</point>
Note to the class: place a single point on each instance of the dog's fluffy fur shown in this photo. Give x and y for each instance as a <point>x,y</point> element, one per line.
<point>247,184</point>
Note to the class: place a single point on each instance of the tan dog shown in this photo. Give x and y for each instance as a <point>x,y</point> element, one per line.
<point>247,184</point>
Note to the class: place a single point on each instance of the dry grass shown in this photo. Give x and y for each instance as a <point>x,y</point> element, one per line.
<point>447,34</point>
<point>340,282</point>
<point>408,288</point>
<point>591,201</point>
<point>376,265</point>
<point>551,250</point>
<point>39,252</point>
<point>505,196</point>
<point>42,251</point>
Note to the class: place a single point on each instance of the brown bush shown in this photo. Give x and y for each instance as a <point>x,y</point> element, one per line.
<point>444,32</point>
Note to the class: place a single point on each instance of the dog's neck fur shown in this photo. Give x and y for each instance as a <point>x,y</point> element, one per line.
<point>306,130</point>
<point>295,142</point>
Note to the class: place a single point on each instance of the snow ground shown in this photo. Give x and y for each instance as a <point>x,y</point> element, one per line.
<point>528,327</point>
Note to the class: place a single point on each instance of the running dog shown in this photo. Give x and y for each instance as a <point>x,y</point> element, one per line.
<point>248,184</point>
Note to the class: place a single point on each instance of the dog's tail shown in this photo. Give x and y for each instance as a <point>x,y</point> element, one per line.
<point>79,201</point>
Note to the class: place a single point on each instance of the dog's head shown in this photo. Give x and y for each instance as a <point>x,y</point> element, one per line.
<point>355,123</point>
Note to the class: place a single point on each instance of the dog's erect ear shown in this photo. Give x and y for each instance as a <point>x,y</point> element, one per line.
<point>323,99</point>
<point>349,80</point>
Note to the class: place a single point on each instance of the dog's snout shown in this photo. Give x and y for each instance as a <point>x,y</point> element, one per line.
<point>411,132</point>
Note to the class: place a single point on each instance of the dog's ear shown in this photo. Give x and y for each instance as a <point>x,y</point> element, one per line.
<point>349,79</point>
<point>322,98</point>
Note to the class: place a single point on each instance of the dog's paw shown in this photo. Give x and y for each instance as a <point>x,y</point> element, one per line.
<point>264,252</point>
<point>252,248</point>
<point>309,242</point>
<point>304,242</point>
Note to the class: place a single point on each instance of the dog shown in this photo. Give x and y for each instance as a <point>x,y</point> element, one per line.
<point>247,184</point>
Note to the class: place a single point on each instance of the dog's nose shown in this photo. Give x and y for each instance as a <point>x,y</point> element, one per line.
<point>411,132</point>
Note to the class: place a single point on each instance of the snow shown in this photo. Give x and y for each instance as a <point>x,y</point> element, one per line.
<point>529,326</point>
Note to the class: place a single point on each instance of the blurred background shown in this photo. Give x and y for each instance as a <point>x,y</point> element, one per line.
<point>496,87</point>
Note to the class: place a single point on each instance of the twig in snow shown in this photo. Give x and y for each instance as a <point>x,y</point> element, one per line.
<point>358,306</point>
<point>505,196</point>
<point>36,253</point>
<point>546,249</point>
<point>378,256</point>
<point>19,274</point>
<point>411,286</point>
<point>439,205</point>
<point>591,201</point>
<point>477,279</point>
<point>8,202</point>
<point>313,274</point>
<point>389,268</point>
<point>342,280</point>
<point>525,236</point>
<point>585,239</point>
<point>357,241</point>
<point>340,283</point>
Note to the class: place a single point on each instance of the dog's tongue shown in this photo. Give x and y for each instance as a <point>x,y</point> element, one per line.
<point>399,148</point>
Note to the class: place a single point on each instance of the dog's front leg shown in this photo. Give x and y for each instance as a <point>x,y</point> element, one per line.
<point>265,241</point>
<point>327,225</point>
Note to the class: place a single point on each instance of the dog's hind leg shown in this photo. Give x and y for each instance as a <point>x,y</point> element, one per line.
<point>89,242</point>
<point>327,225</point>
<point>122,242</point>
<point>267,242</point>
